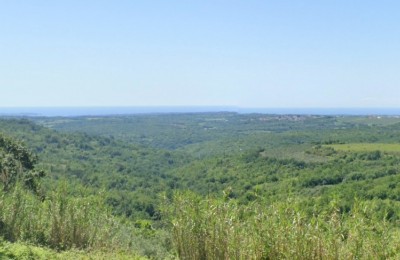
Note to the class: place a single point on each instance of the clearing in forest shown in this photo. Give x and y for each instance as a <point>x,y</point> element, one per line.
<point>367,147</point>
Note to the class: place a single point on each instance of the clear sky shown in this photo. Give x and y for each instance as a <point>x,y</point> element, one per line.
<point>334,53</point>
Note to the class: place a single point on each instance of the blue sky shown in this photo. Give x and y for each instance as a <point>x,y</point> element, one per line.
<point>200,53</point>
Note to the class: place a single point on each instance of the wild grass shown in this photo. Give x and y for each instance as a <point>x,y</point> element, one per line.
<point>60,221</point>
<point>221,229</point>
<point>65,222</point>
<point>24,251</point>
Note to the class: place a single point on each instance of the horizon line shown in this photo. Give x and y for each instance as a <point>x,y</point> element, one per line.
<point>76,111</point>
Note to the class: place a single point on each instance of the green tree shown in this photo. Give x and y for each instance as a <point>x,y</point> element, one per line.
<point>17,164</point>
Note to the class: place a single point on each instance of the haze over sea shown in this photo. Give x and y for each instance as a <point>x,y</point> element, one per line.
<point>105,111</point>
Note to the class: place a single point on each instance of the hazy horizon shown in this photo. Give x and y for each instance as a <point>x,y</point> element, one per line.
<point>108,111</point>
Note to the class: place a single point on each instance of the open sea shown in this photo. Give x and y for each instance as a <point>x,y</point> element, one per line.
<point>105,111</point>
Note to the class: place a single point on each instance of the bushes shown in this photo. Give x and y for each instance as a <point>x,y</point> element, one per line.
<point>23,251</point>
<point>322,180</point>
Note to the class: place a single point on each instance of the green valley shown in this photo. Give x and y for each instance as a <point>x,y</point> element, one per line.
<point>200,186</point>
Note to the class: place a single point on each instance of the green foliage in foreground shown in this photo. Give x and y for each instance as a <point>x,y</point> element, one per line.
<point>60,221</point>
<point>66,222</point>
<point>22,251</point>
<point>209,228</point>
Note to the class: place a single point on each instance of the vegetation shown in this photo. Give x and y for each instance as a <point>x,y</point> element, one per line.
<point>17,164</point>
<point>368,147</point>
<point>221,229</point>
<point>261,187</point>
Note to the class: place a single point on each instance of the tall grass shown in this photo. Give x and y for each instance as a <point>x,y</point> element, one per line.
<point>78,221</point>
<point>221,229</point>
<point>60,221</point>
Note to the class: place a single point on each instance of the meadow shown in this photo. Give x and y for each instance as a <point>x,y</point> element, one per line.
<point>367,147</point>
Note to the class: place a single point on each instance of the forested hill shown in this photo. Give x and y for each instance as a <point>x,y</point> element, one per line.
<point>135,158</point>
<point>132,174</point>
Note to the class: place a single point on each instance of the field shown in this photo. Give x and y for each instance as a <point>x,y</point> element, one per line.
<point>367,147</point>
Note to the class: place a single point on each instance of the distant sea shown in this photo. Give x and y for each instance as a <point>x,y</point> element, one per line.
<point>104,111</point>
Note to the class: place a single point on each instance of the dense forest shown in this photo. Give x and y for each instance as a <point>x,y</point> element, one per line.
<point>200,186</point>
